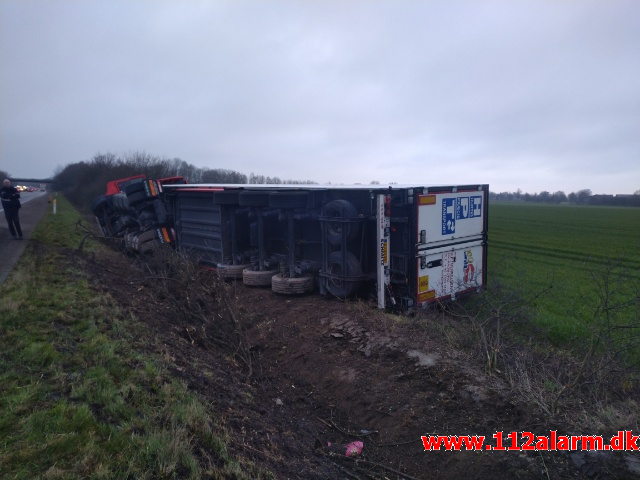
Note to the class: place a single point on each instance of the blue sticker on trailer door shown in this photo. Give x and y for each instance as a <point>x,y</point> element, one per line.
<point>448,216</point>
<point>462,208</point>
<point>476,206</point>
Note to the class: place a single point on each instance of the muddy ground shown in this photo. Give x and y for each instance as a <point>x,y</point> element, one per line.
<point>326,371</point>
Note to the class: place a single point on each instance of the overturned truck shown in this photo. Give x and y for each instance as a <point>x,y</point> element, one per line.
<point>406,246</point>
<point>133,209</point>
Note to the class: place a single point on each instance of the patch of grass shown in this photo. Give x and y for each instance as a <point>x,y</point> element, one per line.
<point>79,400</point>
<point>570,251</point>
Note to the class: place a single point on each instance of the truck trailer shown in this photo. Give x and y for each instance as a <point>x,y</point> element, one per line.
<point>405,245</point>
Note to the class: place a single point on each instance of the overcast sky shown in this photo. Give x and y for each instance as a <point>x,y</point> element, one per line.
<point>537,95</point>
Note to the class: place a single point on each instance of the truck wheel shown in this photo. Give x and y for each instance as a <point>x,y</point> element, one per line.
<point>257,278</point>
<point>147,247</point>
<point>147,217</point>
<point>254,199</point>
<point>230,272</point>
<point>291,286</point>
<point>120,202</point>
<point>337,286</point>
<point>146,236</point>
<point>138,240</point>
<point>136,197</point>
<point>339,209</point>
<point>120,225</point>
<point>288,199</point>
<point>227,197</point>
<point>160,211</point>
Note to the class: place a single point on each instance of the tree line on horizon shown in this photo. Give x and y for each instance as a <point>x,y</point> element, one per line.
<point>83,181</point>
<point>581,197</point>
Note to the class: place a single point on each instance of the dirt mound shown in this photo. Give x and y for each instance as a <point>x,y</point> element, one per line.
<point>325,372</point>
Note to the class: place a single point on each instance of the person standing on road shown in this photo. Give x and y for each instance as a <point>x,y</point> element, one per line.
<point>11,203</point>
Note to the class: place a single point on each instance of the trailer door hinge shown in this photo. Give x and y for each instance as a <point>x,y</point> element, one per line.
<point>423,262</point>
<point>423,236</point>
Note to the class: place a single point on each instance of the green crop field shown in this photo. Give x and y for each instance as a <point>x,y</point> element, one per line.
<point>568,252</point>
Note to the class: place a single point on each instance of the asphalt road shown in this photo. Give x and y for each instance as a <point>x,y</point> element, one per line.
<point>26,197</point>
<point>34,205</point>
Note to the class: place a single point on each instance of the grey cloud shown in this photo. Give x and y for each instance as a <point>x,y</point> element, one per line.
<point>536,95</point>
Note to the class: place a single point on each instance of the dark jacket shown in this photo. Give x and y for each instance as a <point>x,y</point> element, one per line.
<point>10,197</point>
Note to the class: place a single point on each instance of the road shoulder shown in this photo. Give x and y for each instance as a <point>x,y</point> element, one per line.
<point>11,249</point>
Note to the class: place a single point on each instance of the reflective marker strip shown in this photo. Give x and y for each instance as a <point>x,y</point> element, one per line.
<point>426,199</point>
<point>423,297</point>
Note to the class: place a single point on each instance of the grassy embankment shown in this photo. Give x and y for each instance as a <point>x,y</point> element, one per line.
<point>576,253</point>
<point>80,399</point>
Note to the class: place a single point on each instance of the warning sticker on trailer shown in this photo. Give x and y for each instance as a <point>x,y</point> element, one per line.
<point>446,280</point>
<point>423,284</point>
<point>476,206</point>
<point>384,252</point>
<point>448,216</point>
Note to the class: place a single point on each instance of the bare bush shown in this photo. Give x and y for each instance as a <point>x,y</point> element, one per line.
<point>590,379</point>
<point>491,316</point>
<point>204,304</point>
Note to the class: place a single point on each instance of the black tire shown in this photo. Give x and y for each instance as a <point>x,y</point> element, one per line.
<point>137,197</point>
<point>121,223</point>
<point>339,209</point>
<point>337,286</point>
<point>291,286</point>
<point>160,211</point>
<point>120,202</point>
<point>147,218</point>
<point>288,199</point>
<point>139,239</point>
<point>254,199</point>
<point>257,278</point>
<point>230,272</point>
<point>227,197</point>
<point>147,247</point>
<point>146,236</point>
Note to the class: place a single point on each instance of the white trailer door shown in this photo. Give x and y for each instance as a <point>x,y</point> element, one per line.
<point>450,217</point>
<point>449,271</point>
